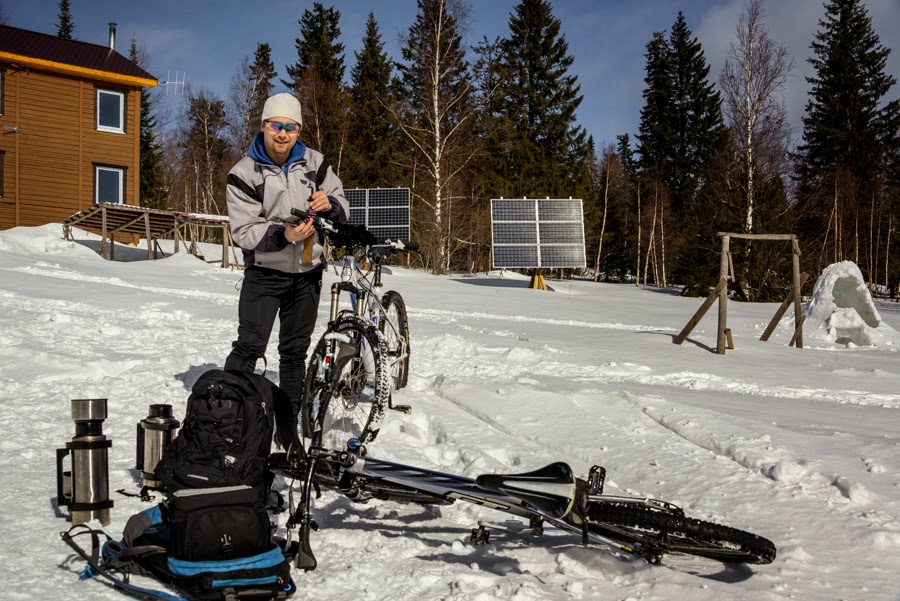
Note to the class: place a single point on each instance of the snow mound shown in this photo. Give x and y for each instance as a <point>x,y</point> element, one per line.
<point>40,240</point>
<point>841,309</point>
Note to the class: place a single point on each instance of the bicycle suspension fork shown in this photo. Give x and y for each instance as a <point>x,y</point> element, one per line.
<point>336,290</point>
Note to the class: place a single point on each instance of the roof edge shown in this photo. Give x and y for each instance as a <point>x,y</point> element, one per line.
<point>96,74</point>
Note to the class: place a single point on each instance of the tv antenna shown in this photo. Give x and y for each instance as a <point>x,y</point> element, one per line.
<point>176,84</point>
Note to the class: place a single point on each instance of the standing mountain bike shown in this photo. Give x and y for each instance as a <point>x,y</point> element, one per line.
<point>363,356</point>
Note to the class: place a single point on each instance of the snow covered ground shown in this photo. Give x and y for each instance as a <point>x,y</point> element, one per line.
<point>800,446</point>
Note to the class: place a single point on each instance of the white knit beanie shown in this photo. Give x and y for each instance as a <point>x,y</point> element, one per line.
<point>282,105</point>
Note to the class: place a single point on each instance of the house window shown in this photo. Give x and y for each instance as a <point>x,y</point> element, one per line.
<point>2,90</point>
<point>111,111</point>
<point>109,184</point>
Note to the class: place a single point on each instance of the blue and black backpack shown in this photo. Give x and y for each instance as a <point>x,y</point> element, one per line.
<point>211,538</point>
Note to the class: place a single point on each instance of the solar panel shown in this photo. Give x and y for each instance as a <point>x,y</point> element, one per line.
<point>382,211</point>
<point>541,233</point>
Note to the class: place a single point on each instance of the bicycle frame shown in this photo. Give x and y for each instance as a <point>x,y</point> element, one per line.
<point>357,471</point>
<point>364,296</point>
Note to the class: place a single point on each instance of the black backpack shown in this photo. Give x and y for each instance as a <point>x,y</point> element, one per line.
<point>226,435</point>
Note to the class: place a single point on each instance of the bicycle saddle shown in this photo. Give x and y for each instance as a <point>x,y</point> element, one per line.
<point>550,490</point>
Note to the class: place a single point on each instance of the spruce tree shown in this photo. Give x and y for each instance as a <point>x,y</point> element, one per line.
<point>263,72</point>
<point>152,189</point>
<point>317,80</point>
<point>373,139</point>
<point>698,127</point>
<point>848,131</point>
<point>680,131</point>
<point>548,150</point>
<point>65,26</point>
<point>318,46</point>
<point>656,135</point>
<point>493,125</point>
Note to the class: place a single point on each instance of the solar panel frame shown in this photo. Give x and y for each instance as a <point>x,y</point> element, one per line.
<point>537,233</point>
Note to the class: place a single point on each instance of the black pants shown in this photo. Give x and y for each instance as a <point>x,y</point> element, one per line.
<point>295,298</point>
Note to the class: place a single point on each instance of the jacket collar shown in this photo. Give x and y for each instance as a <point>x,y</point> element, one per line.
<point>257,152</point>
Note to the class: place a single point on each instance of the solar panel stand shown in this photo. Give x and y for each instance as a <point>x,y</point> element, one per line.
<point>537,280</point>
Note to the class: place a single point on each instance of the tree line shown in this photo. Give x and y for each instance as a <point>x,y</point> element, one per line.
<point>460,124</point>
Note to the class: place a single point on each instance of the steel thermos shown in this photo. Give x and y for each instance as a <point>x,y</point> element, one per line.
<point>84,489</point>
<point>154,433</point>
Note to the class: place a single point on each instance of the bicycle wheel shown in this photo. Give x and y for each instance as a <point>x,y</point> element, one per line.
<point>347,400</point>
<point>395,328</point>
<point>653,532</point>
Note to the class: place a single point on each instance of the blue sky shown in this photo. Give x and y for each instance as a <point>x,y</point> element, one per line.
<point>206,39</point>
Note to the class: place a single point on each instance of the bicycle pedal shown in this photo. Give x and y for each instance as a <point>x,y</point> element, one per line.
<point>480,536</point>
<point>596,480</point>
<point>402,408</point>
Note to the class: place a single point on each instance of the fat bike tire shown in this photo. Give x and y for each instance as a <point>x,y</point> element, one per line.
<point>653,533</point>
<point>353,406</point>
<point>396,334</point>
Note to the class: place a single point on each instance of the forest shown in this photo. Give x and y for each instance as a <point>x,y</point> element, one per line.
<point>460,124</point>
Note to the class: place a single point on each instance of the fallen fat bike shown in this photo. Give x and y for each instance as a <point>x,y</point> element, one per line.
<point>641,527</point>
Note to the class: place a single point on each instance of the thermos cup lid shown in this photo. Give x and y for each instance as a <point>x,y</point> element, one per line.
<point>88,410</point>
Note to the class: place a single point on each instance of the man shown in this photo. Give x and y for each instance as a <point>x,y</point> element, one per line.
<point>282,256</point>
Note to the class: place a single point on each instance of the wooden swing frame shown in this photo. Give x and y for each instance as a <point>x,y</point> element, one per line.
<point>720,293</point>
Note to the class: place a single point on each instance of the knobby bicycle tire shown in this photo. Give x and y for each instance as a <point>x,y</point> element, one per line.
<point>654,532</point>
<point>398,349</point>
<point>353,406</point>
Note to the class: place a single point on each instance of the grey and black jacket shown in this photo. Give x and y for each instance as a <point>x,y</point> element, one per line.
<point>260,196</point>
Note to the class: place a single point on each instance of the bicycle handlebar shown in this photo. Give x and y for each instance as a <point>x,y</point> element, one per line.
<point>329,226</point>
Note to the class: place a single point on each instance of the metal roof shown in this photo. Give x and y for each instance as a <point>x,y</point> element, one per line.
<point>54,50</point>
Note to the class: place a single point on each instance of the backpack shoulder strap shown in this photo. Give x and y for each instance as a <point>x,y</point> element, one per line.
<point>96,567</point>
<point>285,422</point>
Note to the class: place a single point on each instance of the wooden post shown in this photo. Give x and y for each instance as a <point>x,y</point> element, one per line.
<point>104,251</point>
<point>797,338</point>
<point>798,316</point>
<point>723,296</point>
<point>728,339</point>
<point>788,299</point>
<point>177,233</point>
<point>150,254</point>
<point>699,314</point>
<point>225,246</point>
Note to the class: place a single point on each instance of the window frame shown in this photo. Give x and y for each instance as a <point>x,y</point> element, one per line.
<point>109,168</point>
<point>107,128</point>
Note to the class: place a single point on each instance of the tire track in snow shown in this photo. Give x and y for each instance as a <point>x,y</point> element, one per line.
<point>747,450</point>
<point>832,491</point>
<point>439,315</point>
<point>216,297</point>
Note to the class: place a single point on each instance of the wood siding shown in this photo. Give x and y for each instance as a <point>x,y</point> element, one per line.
<point>48,165</point>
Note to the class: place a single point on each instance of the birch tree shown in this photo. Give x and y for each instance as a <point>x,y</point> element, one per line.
<point>435,119</point>
<point>754,75</point>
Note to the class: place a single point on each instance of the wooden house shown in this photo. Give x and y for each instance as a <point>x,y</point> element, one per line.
<point>69,126</point>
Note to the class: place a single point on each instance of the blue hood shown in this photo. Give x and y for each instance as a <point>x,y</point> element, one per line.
<point>257,152</point>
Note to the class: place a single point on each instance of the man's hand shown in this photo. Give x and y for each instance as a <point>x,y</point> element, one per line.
<point>319,201</point>
<point>301,231</point>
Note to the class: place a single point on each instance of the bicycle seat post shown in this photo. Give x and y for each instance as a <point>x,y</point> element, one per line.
<point>376,282</point>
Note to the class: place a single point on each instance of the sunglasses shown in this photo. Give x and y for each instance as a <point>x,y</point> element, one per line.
<point>277,126</point>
